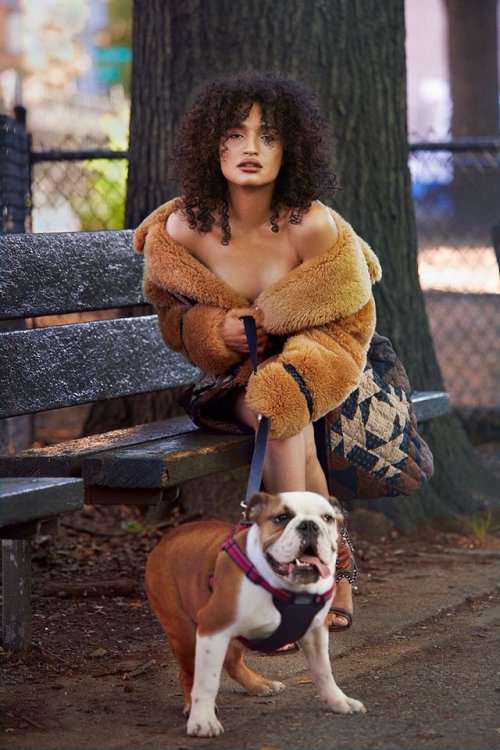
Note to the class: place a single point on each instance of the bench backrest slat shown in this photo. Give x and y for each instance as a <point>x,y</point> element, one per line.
<point>47,368</point>
<point>45,274</point>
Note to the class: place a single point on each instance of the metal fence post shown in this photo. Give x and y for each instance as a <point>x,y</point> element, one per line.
<point>14,175</point>
<point>15,190</point>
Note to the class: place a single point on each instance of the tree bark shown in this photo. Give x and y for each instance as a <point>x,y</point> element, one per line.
<point>473,66</point>
<point>351,52</point>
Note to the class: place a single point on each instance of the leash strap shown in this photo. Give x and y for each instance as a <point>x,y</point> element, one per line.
<point>251,334</point>
<point>259,451</point>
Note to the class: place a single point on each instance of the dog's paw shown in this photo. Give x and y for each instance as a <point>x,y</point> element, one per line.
<point>345,705</point>
<point>204,724</point>
<point>271,687</point>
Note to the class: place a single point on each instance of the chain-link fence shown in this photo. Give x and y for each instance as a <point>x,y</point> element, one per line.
<point>78,189</point>
<point>456,189</point>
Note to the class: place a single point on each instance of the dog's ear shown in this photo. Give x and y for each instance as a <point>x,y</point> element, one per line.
<point>256,505</point>
<point>337,508</point>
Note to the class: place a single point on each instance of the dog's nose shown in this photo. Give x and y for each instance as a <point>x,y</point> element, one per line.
<point>308,527</point>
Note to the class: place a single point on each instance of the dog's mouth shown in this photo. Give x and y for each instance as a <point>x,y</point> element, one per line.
<point>307,568</point>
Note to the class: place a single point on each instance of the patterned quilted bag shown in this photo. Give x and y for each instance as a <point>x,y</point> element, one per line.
<point>373,447</point>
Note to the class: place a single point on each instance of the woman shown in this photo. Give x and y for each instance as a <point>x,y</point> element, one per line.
<point>250,237</point>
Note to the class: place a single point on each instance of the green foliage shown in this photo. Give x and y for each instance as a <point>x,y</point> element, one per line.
<point>135,527</point>
<point>483,523</point>
<point>103,205</point>
<point>101,202</point>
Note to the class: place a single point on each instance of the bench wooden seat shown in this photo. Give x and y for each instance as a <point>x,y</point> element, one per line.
<point>30,499</point>
<point>430,404</point>
<point>171,461</point>
<point>26,503</point>
<point>65,459</point>
<point>155,456</point>
<point>55,364</point>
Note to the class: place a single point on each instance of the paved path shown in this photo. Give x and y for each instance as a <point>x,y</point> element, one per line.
<point>423,657</point>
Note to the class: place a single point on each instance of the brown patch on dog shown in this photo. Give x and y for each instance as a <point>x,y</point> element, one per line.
<point>173,584</point>
<point>263,502</point>
<point>220,611</point>
<point>263,509</point>
<point>337,508</point>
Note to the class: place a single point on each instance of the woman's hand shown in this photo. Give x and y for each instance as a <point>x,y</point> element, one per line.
<point>233,330</point>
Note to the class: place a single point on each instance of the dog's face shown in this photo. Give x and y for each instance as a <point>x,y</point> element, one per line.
<point>298,533</point>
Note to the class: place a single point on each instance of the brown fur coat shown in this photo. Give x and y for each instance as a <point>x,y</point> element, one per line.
<point>324,308</point>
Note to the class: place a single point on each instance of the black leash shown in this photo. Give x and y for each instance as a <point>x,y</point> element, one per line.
<point>259,451</point>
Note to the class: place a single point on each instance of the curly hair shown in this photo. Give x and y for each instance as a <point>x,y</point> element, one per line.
<point>287,106</point>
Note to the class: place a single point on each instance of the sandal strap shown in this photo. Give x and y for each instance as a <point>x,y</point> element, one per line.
<point>351,575</point>
<point>346,538</point>
<point>340,611</point>
<point>346,564</point>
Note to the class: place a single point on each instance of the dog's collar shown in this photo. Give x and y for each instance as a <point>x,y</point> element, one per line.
<point>233,549</point>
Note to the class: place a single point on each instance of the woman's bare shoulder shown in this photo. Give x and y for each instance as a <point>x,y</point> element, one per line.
<point>315,233</point>
<point>178,228</point>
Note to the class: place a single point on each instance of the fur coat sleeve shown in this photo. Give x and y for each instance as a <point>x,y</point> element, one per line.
<point>324,308</point>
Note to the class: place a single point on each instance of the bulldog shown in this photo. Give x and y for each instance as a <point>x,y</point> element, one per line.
<point>217,591</point>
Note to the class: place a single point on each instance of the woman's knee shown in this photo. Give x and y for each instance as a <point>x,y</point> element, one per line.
<point>300,444</point>
<point>243,413</point>
<point>278,446</point>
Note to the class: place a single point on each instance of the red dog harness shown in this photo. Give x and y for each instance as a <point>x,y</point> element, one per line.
<point>297,610</point>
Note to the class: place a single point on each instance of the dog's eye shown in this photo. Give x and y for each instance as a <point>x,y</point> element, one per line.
<point>282,518</point>
<point>327,518</point>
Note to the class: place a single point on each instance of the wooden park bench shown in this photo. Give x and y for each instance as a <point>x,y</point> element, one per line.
<point>51,366</point>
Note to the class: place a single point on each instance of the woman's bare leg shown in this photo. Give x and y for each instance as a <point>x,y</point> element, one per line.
<point>290,463</point>
<point>315,476</point>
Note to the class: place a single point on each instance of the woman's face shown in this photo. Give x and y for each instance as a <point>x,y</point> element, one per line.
<point>251,153</point>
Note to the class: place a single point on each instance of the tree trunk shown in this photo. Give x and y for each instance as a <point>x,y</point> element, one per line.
<point>352,55</point>
<point>351,52</point>
<point>473,66</point>
<point>473,70</point>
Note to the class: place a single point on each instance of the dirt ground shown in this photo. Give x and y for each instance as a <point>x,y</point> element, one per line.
<point>100,674</point>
